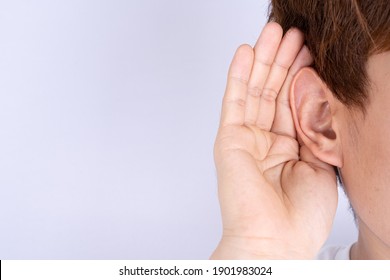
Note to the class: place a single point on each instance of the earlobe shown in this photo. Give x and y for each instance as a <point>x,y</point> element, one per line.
<point>312,106</point>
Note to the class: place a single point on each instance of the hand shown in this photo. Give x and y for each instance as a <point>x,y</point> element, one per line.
<point>277,199</point>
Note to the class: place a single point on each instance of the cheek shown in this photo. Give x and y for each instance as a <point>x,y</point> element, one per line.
<point>366,174</point>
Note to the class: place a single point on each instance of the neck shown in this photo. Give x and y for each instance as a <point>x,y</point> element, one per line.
<point>369,246</point>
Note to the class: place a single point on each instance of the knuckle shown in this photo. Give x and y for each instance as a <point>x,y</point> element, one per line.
<point>263,62</point>
<point>239,80</point>
<point>254,91</point>
<point>281,65</point>
<point>238,101</point>
<point>283,102</point>
<point>269,95</point>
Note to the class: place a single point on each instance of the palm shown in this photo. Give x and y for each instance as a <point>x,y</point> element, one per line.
<point>270,187</point>
<point>265,185</point>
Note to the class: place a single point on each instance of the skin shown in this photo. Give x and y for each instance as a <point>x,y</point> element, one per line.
<point>277,186</point>
<point>368,189</point>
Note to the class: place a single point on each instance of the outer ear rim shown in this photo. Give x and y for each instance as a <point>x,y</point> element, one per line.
<point>334,157</point>
<point>293,104</point>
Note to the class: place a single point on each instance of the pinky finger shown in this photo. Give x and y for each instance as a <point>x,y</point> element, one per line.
<point>283,123</point>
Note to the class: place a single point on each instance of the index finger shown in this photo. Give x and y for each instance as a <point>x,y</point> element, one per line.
<point>233,105</point>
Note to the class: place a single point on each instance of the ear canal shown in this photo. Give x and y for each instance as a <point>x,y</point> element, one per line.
<point>311,103</point>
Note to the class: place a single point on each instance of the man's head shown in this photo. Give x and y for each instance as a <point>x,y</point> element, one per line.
<point>341,109</point>
<point>341,35</point>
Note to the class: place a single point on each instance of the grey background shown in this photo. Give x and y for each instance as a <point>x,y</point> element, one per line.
<point>108,114</point>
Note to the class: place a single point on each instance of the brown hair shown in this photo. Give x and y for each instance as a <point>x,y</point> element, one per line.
<point>341,35</point>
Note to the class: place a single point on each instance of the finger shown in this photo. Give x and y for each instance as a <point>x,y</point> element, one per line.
<point>265,51</point>
<point>233,104</point>
<point>291,44</point>
<point>283,123</point>
<point>307,155</point>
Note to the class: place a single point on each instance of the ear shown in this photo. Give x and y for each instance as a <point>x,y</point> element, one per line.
<point>313,109</point>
